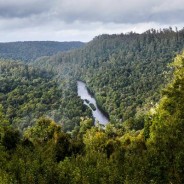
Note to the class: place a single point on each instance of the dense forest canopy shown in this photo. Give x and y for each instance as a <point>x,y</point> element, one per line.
<point>125,72</point>
<point>45,154</point>
<point>47,134</point>
<point>27,93</point>
<point>31,50</point>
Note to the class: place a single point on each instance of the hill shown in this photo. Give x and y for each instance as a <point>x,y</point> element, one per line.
<point>31,50</point>
<point>45,154</point>
<point>28,93</point>
<point>125,72</point>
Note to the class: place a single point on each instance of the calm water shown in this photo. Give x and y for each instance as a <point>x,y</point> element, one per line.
<point>84,94</point>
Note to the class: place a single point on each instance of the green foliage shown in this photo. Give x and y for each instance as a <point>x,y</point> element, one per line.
<point>28,93</point>
<point>125,72</point>
<point>10,139</point>
<point>85,124</point>
<point>95,140</point>
<point>43,131</point>
<point>91,154</point>
<point>29,51</point>
<point>166,131</point>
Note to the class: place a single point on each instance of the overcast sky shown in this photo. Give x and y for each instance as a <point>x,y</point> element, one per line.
<point>67,20</point>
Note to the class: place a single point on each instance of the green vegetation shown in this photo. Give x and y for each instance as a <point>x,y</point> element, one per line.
<point>47,134</point>
<point>45,154</point>
<point>27,93</point>
<point>92,106</point>
<point>125,72</point>
<point>87,101</point>
<point>29,51</point>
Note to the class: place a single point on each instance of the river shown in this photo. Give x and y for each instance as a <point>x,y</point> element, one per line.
<point>84,95</point>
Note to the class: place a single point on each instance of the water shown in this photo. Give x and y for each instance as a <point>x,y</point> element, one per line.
<point>84,95</point>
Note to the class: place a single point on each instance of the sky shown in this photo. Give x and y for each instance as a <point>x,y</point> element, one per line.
<point>81,20</point>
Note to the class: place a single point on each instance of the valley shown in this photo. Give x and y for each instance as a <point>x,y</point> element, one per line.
<point>107,111</point>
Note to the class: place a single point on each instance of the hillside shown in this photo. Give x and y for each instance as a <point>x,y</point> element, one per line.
<point>31,50</point>
<point>28,93</point>
<point>125,72</point>
<point>45,154</point>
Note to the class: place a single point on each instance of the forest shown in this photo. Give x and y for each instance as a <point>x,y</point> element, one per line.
<point>125,72</point>
<point>47,134</point>
<point>30,50</point>
<point>27,93</point>
<point>45,154</point>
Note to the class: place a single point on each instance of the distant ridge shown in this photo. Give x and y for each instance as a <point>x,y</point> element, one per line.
<point>31,50</point>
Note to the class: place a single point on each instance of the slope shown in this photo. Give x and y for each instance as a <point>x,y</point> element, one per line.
<point>45,154</point>
<point>125,72</point>
<point>27,93</point>
<point>30,50</point>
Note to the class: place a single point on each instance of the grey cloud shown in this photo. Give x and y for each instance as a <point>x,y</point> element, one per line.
<point>23,8</point>
<point>173,17</point>
<point>83,19</point>
<point>118,11</point>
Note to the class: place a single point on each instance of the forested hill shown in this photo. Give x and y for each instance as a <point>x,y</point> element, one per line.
<point>27,93</point>
<point>44,154</point>
<point>30,50</point>
<point>125,71</point>
<point>142,143</point>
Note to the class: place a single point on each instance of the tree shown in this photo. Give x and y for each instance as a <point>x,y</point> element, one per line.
<point>166,142</point>
<point>43,131</point>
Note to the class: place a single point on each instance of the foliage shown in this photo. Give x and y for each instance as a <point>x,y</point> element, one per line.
<point>29,51</point>
<point>125,72</point>
<point>44,153</point>
<point>27,93</point>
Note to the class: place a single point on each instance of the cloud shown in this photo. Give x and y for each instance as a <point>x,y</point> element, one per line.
<point>83,19</point>
<point>23,8</point>
<point>119,11</point>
